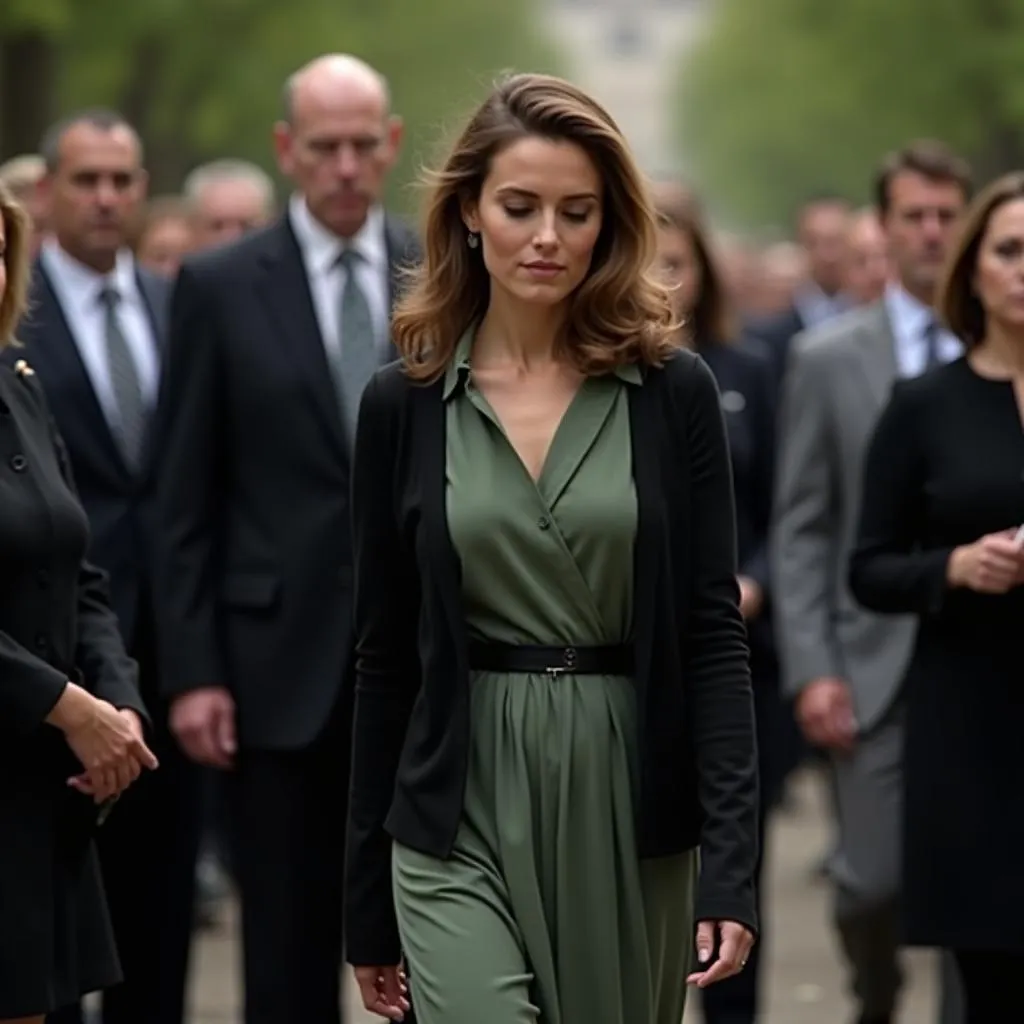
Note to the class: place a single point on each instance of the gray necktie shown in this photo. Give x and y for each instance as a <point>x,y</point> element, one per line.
<point>124,379</point>
<point>355,358</point>
<point>932,338</point>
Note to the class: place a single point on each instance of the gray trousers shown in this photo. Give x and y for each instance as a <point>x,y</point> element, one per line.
<point>866,870</point>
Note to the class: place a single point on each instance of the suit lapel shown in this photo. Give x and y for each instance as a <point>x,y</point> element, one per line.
<point>284,290</point>
<point>55,354</point>
<point>403,252</point>
<point>878,345</point>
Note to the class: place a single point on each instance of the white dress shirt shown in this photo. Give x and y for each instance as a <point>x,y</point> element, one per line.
<point>320,251</point>
<point>910,318</point>
<point>78,289</point>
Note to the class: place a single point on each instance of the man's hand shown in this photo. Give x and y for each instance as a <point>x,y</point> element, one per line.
<point>203,722</point>
<point>825,712</point>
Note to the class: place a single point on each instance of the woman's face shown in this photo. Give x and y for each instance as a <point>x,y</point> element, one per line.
<point>538,219</point>
<point>679,268</point>
<point>999,271</point>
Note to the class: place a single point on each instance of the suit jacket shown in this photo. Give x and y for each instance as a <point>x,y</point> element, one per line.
<point>838,382</point>
<point>255,560</point>
<point>745,377</point>
<point>776,333</point>
<point>698,759</point>
<point>115,499</point>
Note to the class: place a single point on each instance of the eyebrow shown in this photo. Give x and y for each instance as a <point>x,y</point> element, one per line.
<point>527,194</point>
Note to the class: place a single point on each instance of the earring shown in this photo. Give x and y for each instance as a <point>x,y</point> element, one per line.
<point>473,240</point>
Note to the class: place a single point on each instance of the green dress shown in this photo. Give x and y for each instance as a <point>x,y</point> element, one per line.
<point>544,912</point>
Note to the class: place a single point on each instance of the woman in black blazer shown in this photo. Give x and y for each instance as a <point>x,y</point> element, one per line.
<point>553,705</point>
<point>744,376</point>
<point>71,718</point>
<point>942,504</point>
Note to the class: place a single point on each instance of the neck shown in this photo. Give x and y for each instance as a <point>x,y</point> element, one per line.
<point>1002,351</point>
<point>923,293</point>
<point>100,262</point>
<point>526,334</point>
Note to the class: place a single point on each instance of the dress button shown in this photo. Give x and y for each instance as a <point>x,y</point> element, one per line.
<point>18,463</point>
<point>42,642</point>
<point>43,577</point>
<point>544,523</point>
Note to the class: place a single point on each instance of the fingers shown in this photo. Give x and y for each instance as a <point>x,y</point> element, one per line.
<point>142,755</point>
<point>705,941</point>
<point>382,990</point>
<point>224,729</point>
<point>736,943</point>
<point>209,738</point>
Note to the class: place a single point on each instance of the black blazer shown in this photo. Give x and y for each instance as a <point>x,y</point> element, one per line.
<point>115,499</point>
<point>254,563</point>
<point>746,381</point>
<point>55,619</point>
<point>699,774</point>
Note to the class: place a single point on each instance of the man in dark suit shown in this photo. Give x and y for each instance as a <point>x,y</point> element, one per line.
<point>822,231</point>
<point>272,340</point>
<point>95,337</point>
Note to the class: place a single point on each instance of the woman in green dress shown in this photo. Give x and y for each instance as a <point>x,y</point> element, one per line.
<point>553,705</point>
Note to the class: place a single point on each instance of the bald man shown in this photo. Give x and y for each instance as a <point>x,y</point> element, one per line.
<point>272,339</point>
<point>867,260</point>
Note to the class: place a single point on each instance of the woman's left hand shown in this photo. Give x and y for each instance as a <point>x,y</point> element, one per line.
<point>734,945</point>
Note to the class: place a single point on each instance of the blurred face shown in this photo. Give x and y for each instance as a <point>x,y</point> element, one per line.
<point>538,218</point>
<point>164,244</point>
<point>919,226</point>
<point>867,266</point>
<point>999,273</point>
<point>226,210</point>
<point>338,150</point>
<point>680,268</point>
<point>95,193</point>
<point>823,231</point>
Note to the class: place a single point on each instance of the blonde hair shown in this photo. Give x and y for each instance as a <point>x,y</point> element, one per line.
<point>17,263</point>
<point>620,314</point>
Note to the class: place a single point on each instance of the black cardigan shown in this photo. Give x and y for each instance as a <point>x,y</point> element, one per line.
<point>698,751</point>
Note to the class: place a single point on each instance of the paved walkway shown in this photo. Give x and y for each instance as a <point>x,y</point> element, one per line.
<point>806,984</point>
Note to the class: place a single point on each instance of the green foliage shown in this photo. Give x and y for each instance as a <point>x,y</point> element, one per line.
<point>787,97</point>
<point>203,78</point>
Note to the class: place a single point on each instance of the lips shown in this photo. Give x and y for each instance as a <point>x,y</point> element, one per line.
<point>548,268</point>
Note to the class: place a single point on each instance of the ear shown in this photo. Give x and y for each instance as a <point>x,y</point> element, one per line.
<point>396,133</point>
<point>470,210</point>
<point>283,143</point>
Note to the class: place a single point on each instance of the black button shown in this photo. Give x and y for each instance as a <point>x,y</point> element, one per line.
<point>544,523</point>
<point>43,577</point>
<point>42,642</point>
<point>18,463</point>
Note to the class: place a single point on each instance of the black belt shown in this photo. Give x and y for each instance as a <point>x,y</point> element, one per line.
<point>608,660</point>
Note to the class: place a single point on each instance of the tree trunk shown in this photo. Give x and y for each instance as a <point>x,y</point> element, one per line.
<point>28,80</point>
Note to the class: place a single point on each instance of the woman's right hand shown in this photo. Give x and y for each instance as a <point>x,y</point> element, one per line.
<point>384,991</point>
<point>109,749</point>
<point>992,565</point>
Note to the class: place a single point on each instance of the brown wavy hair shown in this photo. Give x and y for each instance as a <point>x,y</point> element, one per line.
<point>17,263</point>
<point>711,321</point>
<point>620,313</point>
<point>956,300</point>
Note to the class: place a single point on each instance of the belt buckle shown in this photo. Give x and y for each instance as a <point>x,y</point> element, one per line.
<point>569,662</point>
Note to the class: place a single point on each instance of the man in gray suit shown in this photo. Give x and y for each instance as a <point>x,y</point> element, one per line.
<point>844,665</point>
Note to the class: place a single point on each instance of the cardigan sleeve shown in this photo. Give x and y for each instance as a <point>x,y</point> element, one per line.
<point>716,663</point>
<point>387,678</point>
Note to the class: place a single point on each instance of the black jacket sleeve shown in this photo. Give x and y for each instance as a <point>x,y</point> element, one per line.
<point>109,672</point>
<point>388,674</point>
<point>188,492</point>
<point>763,421</point>
<point>716,667</point>
<point>890,568</point>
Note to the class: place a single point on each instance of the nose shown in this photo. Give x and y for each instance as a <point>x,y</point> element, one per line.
<point>547,234</point>
<point>106,193</point>
<point>348,162</point>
